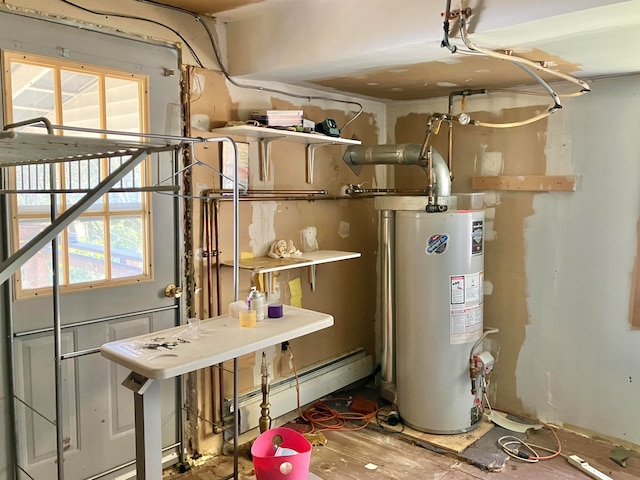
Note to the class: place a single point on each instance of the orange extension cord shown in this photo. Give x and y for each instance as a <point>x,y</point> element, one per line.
<point>321,417</point>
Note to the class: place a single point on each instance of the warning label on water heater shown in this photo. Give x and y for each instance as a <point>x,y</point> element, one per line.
<point>466,307</point>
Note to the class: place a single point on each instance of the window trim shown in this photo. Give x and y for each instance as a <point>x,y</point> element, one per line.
<point>8,57</point>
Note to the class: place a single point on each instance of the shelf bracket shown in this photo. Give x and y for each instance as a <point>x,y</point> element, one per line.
<point>310,157</point>
<point>312,277</point>
<point>268,285</point>
<point>265,158</point>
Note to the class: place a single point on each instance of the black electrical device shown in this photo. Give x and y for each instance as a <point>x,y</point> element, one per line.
<point>328,127</point>
<point>393,418</point>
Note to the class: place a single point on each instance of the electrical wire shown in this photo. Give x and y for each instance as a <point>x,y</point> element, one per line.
<point>321,417</point>
<point>216,51</point>
<point>224,71</point>
<point>134,17</point>
<point>507,441</point>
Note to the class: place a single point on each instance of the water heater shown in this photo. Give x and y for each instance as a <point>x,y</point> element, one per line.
<point>431,292</point>
<point>438,307</point>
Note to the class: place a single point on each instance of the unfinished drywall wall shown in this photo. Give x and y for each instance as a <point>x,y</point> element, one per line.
<point>586,376</point>
<point>344,289</point>
<point>559,266</point>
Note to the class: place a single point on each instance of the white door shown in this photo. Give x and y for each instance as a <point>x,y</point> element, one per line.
<point>98,425</point>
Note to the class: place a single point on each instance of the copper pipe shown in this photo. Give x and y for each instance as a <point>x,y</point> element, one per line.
<point>216,246</point>
<point>216,243</point>
<point>207,252</point>
<point>266,192</point>
<point>282,198</point>
<point>354,190</point>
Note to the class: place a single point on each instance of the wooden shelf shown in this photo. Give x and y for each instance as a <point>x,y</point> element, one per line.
<point>307,259</point>
<point>268,265</point>
<point>266,135</point>
<point>288,135</point>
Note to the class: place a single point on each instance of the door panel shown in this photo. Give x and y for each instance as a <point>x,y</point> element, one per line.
<point>35,384</point>
<point>98,424</point>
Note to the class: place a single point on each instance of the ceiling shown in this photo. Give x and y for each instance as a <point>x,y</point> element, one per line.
<point>389,54</point>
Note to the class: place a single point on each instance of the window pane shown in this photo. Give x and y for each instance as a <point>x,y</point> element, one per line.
<point>83,174</point>
<point>126,200</point>
<point>123,104</point>
<point>33,177</point>
<point>127,245</point>
<point>33,94</point>
<point>37,271</point>
<point>114,228</point>
<point>80,99</point>
<point>86,250</point>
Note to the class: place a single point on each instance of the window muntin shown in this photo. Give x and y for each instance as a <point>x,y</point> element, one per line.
<point>110,241</point>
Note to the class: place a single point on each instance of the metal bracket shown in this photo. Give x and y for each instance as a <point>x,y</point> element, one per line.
<point>310,157</point>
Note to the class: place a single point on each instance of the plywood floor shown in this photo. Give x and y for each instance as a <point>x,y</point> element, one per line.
<point>346,455</point>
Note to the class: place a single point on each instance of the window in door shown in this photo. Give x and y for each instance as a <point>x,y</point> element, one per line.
<point>110,242</point>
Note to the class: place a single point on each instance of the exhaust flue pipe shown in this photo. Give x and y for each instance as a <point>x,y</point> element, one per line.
<point>401,154</point>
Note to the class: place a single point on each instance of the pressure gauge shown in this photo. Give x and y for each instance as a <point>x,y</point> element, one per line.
<point>464,119</point>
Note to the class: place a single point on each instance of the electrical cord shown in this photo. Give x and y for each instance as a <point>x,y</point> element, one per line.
<point>507,441</point>
<point>321,417</point>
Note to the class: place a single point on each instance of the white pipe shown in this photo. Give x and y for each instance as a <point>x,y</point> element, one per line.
<point>502,56</point>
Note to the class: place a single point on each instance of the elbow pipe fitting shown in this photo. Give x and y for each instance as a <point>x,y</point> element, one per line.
<point>465,93</point>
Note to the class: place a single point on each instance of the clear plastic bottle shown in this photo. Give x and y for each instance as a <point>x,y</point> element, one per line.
<point>255,301</point>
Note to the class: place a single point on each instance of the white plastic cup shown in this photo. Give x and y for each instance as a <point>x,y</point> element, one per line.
<point>236,307</point>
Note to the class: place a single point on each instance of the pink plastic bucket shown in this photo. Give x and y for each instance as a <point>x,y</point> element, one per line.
<point>287,466</point>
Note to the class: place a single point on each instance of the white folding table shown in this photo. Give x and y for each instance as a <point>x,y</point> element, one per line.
<point>219,339</point>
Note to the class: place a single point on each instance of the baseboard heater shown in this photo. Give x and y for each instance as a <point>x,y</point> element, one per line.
<point>315,382</point>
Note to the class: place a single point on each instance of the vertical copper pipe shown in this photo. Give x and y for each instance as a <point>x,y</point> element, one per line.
<point>208,252</point>
<point>216,244</point>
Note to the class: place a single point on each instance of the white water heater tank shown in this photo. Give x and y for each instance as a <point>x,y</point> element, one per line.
<point>439,270</point>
